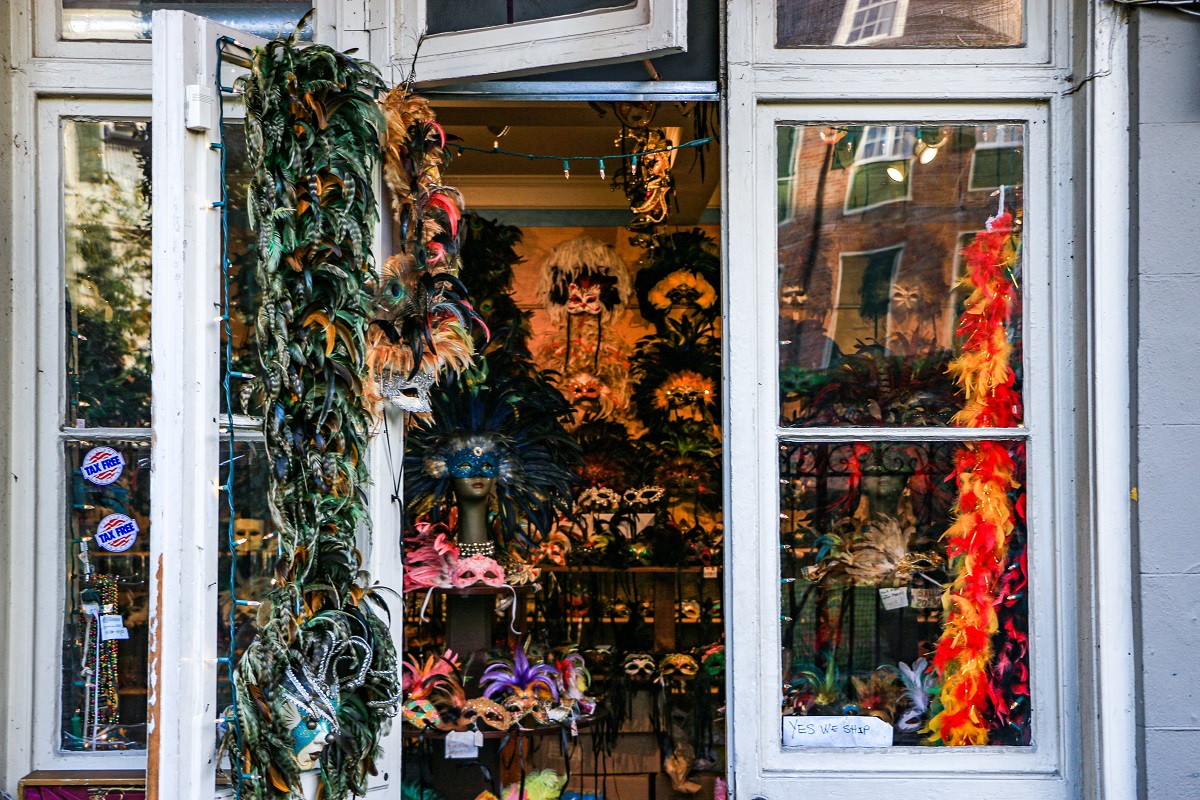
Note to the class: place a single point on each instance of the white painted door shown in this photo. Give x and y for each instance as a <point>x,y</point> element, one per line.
<point>437,42</point>
<point>196,121</point>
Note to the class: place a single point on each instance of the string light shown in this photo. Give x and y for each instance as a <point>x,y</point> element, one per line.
<point>566,160</point>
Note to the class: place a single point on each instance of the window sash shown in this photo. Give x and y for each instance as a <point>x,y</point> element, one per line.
<point>753,460</point>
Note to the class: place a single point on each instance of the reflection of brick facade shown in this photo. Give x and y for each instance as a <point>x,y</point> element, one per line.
<point>819,298</point>
<point>927,23</point>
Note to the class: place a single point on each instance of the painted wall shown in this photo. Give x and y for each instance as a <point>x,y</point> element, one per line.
<point>1167,102</point>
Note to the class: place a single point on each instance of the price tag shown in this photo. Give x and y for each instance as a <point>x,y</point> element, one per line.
<point>461,744</point>
<point>711,572</point>
<point>926,598</point>
<point>112,626</point>
<point>91,609</point>
<point>893,598</point>
<point>836,732</point>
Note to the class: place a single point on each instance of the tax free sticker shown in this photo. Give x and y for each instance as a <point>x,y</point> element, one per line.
<point>116,533</point>
<point>103,465</point>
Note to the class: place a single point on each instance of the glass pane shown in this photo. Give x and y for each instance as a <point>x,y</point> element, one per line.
<point>106,208</point>
<point>254,542</point>
<point>876,276</point>
<point>242,251</point>
<point>899,23</point>
<point>447,16</point>
<point>130,19</point>
<point>107,594</point>
<point>884,614</point>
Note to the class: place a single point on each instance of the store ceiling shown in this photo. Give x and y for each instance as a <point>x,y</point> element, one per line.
<point>498,182</point>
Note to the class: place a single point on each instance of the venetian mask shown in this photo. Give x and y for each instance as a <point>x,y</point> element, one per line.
<point>639,667</point>
<point>690,609</point>
<point>522,704</point>
<point>408,394</point>
<point>583,297</point>
<point>420,713</point>
<point>600,658</point>
<point>485,712</point>
<point>310,733</point>
<point>678,666</point>
<point>476,569</point>
<point>685,395</point>
<point>476,461</point>
<point>619,611</point>
<point>682,288</point>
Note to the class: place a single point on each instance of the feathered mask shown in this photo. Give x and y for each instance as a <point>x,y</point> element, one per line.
<point>680,271</point>
<point>583,277</point>
<point>511,414</point>
<point>422,321</point>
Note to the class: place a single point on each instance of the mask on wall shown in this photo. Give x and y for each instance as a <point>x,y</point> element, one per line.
<point>583,277</point>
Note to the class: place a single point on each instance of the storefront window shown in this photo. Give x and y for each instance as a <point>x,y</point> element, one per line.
<point>903,567</point>
<point>130,19</point>
<point>899,23</point>
<point>869,268</point>
<point>866,562</point>
<point>107,591</point>
<point>106,247</point>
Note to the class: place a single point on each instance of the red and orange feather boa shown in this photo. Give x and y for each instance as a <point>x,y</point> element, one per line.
<point>985,472</point>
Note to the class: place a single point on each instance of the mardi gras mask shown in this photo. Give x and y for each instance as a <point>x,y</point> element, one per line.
<point>475,461</point>
<point>421,713</point>
<point>583,297</point>
<point>639,667</point>
<point>485,712</point>
<point>600,657</point>
<point>685,395</point>
<point>619,611</point>
<point>690,609</point>
<point>678,666</point>
<point>310,734</point>
<point>713,660</point>
<point>682,288</point>
<point>407,394</point>
<point>476,569</point>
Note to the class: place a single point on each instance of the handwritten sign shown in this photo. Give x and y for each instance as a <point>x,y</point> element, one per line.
<point>112,626</point>
<point>836,732</point>
<point>891,599</point>
<point>462,744</point>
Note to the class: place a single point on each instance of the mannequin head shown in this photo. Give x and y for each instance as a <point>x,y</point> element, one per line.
<point>474,469</point>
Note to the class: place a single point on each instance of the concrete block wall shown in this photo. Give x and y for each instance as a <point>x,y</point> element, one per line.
<point>1167,217</point>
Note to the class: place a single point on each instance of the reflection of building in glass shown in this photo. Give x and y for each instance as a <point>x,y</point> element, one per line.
<point>899,23</point>
<point>872,219</point>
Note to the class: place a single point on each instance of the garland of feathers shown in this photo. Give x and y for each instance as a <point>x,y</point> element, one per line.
<point>985,515</point>
<point>422,321</point>
<point>321,651</point>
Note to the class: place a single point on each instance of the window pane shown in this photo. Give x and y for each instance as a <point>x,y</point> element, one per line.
<point>255,543</point>
<point>899,23</point>
<point>106,208</point>
<point>130,19</point>
<point>107,594</point>
<point>883,615</point>
<point>446,16</point>
<point>873,283</point>
<point>242,251</point>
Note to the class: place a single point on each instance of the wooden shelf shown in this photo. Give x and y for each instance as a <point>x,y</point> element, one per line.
<point>410,732</point>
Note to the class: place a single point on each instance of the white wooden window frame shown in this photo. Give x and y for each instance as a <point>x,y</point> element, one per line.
<point>50,516</point>
<point>1043,22</point>
<point>645,29</point>
<point>1074,91</point>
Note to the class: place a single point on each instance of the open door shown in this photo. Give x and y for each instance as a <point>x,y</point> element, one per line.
<point>209,464</point>
<point>460,41</point>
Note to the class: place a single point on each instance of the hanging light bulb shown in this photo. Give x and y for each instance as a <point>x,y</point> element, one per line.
<point>567,169</point>
<point>602,169</point>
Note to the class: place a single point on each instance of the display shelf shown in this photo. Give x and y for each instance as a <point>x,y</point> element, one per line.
<point>636,570</point>
<point>582,723</point>
<point>470,591</point>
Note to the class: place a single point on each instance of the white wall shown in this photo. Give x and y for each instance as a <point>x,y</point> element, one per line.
<point>1167,219</point>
